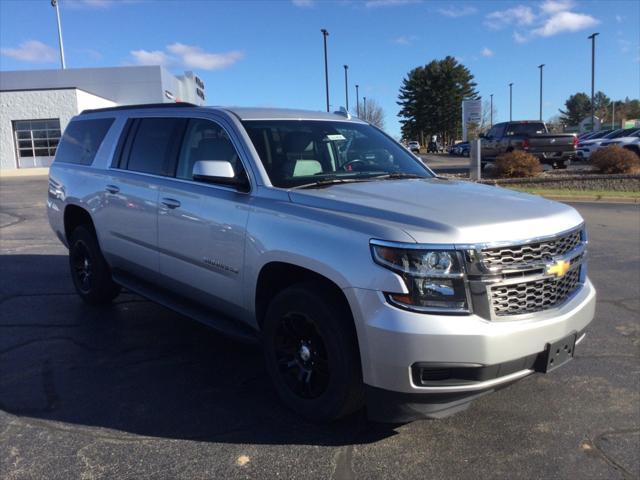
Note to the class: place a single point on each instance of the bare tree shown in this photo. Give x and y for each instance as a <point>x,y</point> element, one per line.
<point>485,121</point>
<point>372,112</point>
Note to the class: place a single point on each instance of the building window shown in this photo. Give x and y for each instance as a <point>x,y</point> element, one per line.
<point>36,141</point>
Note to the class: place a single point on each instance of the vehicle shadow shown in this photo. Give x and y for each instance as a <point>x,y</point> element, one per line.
<point>139,368</point>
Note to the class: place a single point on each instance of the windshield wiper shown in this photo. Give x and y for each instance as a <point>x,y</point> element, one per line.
<point>394,175</point>
<point>331,181</point>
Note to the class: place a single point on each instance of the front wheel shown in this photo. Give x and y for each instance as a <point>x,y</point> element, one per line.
<point>311,353</point>
<point>89,271</point>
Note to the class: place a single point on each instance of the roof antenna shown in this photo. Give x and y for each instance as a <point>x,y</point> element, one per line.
<point>344,112</point>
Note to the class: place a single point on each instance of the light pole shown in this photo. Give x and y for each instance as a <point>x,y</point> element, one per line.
<point>357,100</point>
<point>491,111</point>
<point>346,87</point>
<point>364,108</point>
<point>613,114</point>
<point>510,101</point>
<point>593,76</point>
<point>325,34</point>
<point>541,67</point>
<point>54,4</point>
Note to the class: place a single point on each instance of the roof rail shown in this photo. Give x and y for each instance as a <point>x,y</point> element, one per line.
<point>143,105</point>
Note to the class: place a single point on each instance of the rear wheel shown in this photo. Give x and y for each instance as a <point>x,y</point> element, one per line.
<point>311,353</point>
<point>89,271</point>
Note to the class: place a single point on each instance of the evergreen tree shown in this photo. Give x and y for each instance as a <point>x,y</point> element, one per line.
<point>577,108</point>
<point>431,99</point>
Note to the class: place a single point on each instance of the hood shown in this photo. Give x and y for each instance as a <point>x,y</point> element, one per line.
<point>444,211</point>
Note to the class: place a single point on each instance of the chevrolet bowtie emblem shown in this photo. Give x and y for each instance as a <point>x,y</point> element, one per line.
<point>559,268</point>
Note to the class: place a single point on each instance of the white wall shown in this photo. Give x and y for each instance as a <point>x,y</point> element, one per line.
<point>39,104</point>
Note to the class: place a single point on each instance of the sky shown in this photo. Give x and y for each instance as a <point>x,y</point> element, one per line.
<point>270,53</point>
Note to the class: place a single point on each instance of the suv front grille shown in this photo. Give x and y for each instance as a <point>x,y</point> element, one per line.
<point>531,252</point>
<point>533,296</point>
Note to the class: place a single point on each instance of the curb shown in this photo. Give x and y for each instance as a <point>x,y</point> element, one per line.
<point>593,199</point>
<point>24,172</point>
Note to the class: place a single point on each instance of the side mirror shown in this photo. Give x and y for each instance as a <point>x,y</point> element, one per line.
<point>220,172</point>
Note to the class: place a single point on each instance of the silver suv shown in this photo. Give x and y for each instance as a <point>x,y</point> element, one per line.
<point>368,280</point>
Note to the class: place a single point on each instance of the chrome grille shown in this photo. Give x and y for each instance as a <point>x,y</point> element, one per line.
<point>531,252</point>
<point>533,296</point>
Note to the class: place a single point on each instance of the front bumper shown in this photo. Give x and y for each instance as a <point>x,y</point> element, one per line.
<point>391,341</point>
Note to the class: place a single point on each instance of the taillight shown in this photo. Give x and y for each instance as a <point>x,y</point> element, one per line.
<point>575,142</point>
<point>525,144</point>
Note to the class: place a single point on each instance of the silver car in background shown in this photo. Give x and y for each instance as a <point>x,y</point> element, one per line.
<point>369,281</point>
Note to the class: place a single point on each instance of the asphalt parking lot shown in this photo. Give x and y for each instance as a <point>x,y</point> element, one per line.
<point>136,391</point>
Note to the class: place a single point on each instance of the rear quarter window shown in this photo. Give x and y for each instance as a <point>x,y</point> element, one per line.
<point>81,141</point>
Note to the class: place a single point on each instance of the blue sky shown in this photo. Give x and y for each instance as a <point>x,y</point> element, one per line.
<point>269,53</point>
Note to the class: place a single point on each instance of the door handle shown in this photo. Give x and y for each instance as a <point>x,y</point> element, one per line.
<point>170,203</point>
<point>112,189</point>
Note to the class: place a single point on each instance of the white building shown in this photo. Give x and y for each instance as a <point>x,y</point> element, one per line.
<point>36,105</point>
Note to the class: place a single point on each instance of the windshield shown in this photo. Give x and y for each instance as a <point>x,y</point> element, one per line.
<point>526,129</point>
<point>302,152</point>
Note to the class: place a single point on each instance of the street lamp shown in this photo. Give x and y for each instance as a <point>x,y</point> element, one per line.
<point>325,34</point>
<point>593,75</point>
<point>491,111</point>
<point>541,67</point>
<point>346,87</point>
<point>54,4</point>
<point>358,100</point>
<point>364,108</point>
<point>510,101</point>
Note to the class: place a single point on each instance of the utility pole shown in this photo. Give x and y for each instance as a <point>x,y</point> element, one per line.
<point>491,111</point>
<point>510,101</point>
<point>54,4</point>
<point>325,34</point>
<point>357,100</point>
<point>346,87</point>
<point>541,67</point>
<point>593,77</point>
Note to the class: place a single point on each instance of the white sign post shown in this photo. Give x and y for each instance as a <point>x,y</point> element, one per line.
<point>475,166</point>
<point>471,115</point>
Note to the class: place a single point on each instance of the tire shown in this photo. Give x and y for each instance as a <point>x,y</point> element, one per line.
<point>311,353</point>
<point>89,271</point>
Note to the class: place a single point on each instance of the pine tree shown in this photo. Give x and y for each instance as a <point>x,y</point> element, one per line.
<point>431,99</point>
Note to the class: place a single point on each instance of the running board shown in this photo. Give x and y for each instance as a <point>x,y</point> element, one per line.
<point>219,322</point>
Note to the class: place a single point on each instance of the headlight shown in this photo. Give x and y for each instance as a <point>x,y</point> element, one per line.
<point>434,278</point>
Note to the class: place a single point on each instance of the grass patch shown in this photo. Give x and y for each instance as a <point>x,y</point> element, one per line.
<point>557,192</point>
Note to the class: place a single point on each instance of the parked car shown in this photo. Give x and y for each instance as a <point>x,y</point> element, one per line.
<point>414,146</point>
<point>587,147</point>
<point>460,149</point>
<point>367,279</point>
<point>634,146</point>
<point>628,139</point>
<point>533,137</point>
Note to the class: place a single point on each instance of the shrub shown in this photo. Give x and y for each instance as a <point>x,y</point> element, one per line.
<point>517,164</point>
<point>615,159</point>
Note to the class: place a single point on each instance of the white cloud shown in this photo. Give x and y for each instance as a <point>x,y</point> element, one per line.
<point>388,3</point>
<point>145,57</point>
<point>32,51</point>
<point>565,22</point>
<point>404,40</point>
<point>519,38</point>
<point>551,18</point>
<point>188,56</point>
<point>619,18</point>
<point>96,3</point>
<point>457,12</point>
<point>486,52</point>
<point>194,57</point>
<point>555,6</point>
<point>518,15</point>
<point>303,3</point>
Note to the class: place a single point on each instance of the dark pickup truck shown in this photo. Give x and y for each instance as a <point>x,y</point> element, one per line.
<point>532,137</point>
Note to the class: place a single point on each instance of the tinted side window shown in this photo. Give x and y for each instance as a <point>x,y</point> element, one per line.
<point>155,145</point>
<point>206,140</point>
<point>81,141</point>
